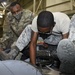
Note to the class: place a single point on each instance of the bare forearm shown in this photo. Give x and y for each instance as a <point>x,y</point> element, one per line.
<point>33,54</point>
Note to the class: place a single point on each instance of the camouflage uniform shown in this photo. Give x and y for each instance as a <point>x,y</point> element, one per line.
<point>12,28</point>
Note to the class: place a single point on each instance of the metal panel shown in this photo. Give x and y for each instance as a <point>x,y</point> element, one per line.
<point>61,7</point>
<point>53,2</point>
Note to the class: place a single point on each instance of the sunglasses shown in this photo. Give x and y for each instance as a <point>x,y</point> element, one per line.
<point>51,33</point>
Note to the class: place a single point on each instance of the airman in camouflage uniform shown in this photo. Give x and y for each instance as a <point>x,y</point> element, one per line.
<point>15,22</point>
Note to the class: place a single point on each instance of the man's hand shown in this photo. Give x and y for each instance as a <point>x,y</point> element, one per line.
<point>45,45</point>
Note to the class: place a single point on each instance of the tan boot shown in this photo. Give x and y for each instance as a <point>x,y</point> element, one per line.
<point>18,57</point>
<point>13,54</point>
<point>8,56</point>
<point>3,55</point>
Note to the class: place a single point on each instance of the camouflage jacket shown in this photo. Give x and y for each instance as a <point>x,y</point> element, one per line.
<point>17,26</point>
<point>8,35</point>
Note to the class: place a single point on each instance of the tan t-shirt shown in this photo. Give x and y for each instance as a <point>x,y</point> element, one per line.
<point>62,23</point>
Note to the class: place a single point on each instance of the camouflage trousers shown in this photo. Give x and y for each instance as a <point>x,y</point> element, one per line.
<point>14,48</point>
<point>24,38</point>
<point>66,54</point>
<point>65,50</point>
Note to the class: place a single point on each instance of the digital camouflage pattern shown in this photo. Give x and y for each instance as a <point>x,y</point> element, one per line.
<point>10,35</point>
